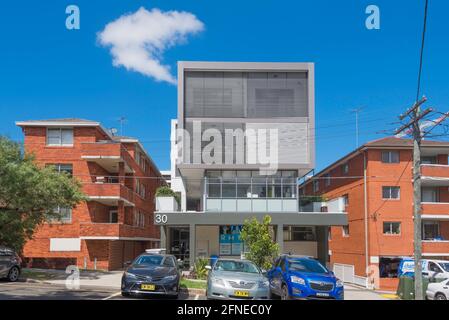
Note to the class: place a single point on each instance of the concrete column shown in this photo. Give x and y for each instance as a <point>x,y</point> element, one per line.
<point>121,172</point>
<point>280,237</point>
<point>192,240</point>
<point>121,212</point>
<point>322,244</point>
<point>163,243</point>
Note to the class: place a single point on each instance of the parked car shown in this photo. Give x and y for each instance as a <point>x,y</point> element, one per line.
<point>295,277</point>
<point>154,274</point>
<point>9,264</point>
<point>432,269</point>
<point>438,290</point>
<point>236,279</point>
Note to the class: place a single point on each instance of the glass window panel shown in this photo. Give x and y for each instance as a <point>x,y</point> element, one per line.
<point>259,190</point>
<point>229,190</point>
<point>53,136</point>
<point>214,190</point>
<point>67,136</point>
<point>244,190</point>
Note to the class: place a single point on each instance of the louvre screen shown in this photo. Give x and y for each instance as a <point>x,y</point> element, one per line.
<point>213,94</point>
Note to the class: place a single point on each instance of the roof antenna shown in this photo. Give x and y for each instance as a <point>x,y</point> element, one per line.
<point>122,121</point>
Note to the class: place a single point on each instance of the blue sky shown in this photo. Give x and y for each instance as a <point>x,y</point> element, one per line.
<point>47,71</point>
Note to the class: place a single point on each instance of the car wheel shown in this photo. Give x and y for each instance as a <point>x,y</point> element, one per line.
<point>440,296</point>
<point>13,274</point>
<point>284,293</point>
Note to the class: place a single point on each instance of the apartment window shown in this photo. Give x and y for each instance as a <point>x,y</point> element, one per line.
<point>390,156</point>
<point>431,230</point>
<point>390,192</point>
<point>346,199</point>
<point>345,231</point>
<point>140,188</point>
<point>345,168</point>
<point>62,167</point>
<point>429,194</point>
<point>299,233</point>
<point>316,185</point>
<point>389,266</point>
<point>327,180</point>
<point>60,137</point>
<point>139,219</point>
<point>391,228</point>
<point>428,160</point>
<point>64,215</point>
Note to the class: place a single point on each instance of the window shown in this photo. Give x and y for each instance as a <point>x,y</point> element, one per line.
<point>140,189</point>
<point>345,168</point>
<point>60,137</point>
<point>390,192</point>
<point>392,228</point>
<point>345,231</point>
<point>434,267</point>
<point>299,233</point>
<point>429,194</point>
<point>113,216</point>
<point>62,167</point>
<point>139,219</point>
<point>428,160</point>
<point>390,156</point>
<point>65,215</point>
<point>230,242</point>
<point>431,230</point>
<point>389,266</point>
<point>327,180</point>
<point>346,199</point>
<point>316,185</point>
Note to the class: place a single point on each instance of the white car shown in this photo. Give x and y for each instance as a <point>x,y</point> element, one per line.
<point>438,290</point>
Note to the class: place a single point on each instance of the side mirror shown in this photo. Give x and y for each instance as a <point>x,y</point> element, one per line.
<point>208,267</point>
<point>127,263</point>
<point>180,263</point>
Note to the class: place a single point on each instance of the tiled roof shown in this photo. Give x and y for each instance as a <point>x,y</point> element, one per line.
<point>401,142</point>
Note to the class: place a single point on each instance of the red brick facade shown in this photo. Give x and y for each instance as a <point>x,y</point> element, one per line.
<point>104,243</point>
<point>334,182</point>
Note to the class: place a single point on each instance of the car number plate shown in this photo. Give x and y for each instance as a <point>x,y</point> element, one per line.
<point>148,287</point>
<point>322,294</point>
<point>240,293</point>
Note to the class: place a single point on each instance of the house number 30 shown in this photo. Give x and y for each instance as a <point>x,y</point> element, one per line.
<point>161,218</point>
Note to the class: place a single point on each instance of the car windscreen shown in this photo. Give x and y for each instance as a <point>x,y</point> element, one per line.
<point>306,265</point>
<point>151,260</point>
<point>236,266</point>
<point>444,265</point>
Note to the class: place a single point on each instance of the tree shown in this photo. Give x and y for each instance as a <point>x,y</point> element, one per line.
<point>29,194</point>
<point>262,250</point>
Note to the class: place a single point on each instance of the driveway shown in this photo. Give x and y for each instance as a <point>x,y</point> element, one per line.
<point>359,293</point>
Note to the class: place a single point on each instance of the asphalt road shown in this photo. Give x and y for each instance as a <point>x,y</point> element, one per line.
<point>38,291</point>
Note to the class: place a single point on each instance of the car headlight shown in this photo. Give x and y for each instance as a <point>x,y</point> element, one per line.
<point>130,275</point>
<point>339,283</point>
<point>170,278</point>
<point>217,281</point>
<point>297,280</point>
<point>263,284</point>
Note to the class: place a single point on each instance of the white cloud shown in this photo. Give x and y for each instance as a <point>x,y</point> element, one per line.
<point>138,40</point>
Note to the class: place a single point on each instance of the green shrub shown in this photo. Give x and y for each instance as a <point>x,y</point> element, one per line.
<point>165,191</point>
<point>199,269</point>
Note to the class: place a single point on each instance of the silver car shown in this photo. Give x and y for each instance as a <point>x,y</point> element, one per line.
<point>236,279</point>
<point>9,264</point>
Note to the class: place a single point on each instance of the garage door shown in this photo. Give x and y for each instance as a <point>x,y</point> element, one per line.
<point>344,272</point>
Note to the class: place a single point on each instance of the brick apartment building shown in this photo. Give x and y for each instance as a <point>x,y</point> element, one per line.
<point>375,183</point>
<point>119,178</point>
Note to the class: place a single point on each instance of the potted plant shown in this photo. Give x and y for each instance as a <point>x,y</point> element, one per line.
<point>166,199</point>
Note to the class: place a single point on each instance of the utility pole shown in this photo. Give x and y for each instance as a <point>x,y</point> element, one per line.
<point>416,115</point>
<point>356,111</point>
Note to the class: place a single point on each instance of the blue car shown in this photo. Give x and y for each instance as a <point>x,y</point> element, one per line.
<point>297,277</point>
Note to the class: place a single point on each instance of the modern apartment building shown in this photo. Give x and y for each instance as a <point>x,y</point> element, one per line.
<point>376,182</point>
<point>119,178</point>
<point>243,136</point>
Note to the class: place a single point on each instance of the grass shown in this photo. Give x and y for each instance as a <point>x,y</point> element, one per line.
<point>186,283</point>
<point>38,275</point>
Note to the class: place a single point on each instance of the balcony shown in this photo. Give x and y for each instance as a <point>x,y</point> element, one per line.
<point>435,247</point>
<point>435,175</point>
<point>438,210</point>
<point>91,230</point>
<point>109,193</point>
<point>107,155</point>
